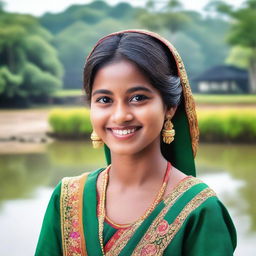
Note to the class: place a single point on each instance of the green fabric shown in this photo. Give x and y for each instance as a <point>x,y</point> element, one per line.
<point>179,152</point>
<point>90,220</point>
<point>183,200</point>
<point>108,232</point>
<point>128,249</point>
<point>208,230</point>
<point>50,243</point>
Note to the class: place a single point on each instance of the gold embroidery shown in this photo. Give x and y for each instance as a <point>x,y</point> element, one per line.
<point>188,97</point>
<point>182,187</point>
<point>160,233</point>
<point>73,241</point>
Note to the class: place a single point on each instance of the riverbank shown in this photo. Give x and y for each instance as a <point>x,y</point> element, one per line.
<point>23,130</point>
<point>29,126</point>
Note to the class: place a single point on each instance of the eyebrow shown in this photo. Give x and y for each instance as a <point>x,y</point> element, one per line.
<point>139,88</point>
<point>102,91</point>
<point>133,89</point>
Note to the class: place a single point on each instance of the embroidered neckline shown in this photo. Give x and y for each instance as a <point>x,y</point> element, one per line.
<point>102,212</point>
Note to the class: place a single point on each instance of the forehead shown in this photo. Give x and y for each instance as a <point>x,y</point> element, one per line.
<point>120,75</point>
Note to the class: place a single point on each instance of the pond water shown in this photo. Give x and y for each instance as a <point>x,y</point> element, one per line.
<point>27,181</point>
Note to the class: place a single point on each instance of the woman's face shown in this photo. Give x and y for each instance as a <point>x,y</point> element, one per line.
<point>127,112</point>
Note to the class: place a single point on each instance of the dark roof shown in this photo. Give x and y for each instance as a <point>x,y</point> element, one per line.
<point>224,72</point>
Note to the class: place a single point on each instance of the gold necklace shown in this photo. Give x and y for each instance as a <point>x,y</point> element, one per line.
<point>102,201</point>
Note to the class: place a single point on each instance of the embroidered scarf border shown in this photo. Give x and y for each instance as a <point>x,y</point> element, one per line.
<point>73,241</point>
<point>161,233</point>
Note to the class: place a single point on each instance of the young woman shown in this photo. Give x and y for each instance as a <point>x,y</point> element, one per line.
<point>147,201</point>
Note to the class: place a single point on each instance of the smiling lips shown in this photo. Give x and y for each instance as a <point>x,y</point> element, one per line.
<point>125,132</point>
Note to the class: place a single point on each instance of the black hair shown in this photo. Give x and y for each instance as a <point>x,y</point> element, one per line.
<point>149,54</point>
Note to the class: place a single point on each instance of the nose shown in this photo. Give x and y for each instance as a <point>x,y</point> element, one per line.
<point>122,113</point>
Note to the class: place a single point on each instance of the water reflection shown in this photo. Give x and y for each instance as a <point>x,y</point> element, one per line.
<point>26,182</point>
<point>21,174</point>
<point>239,162</point>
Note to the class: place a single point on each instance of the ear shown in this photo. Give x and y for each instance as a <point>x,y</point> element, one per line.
<point>170,112</point>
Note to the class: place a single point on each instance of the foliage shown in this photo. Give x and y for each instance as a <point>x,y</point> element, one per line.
<point>190,52</point>
<point>70,122</point>
<point>239,56</point>
<point>210,34</point>
<point>243,31</point>
<point>171,17</point>
<point>75,42</point>
<point>225,99</point>
<point>69,93</point>
<point>29,65</point>
<point>195,36</point>
<point>237,125</point>
<point>78,28</point>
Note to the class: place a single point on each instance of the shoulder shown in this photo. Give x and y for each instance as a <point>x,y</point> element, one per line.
<point>81,177</point>
<point>73,182</point>
<point>212,217</point>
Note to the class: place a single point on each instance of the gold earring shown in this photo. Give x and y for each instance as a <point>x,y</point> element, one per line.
<point>168,132</point>
<point>96,140</point>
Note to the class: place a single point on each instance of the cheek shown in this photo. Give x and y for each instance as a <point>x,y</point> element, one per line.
<point>154,117</point>
<point>97,117</point>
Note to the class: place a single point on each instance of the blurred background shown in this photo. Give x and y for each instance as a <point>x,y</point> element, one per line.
<point>44,121</point>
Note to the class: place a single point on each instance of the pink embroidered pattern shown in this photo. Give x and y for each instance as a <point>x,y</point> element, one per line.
<point>161,233</point>
<point>162,228</point>
<point>73,242</point>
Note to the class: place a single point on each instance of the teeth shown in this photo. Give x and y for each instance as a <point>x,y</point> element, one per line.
<point>123,132</point>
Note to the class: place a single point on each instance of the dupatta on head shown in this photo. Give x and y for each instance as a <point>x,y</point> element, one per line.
<point>182,151</point>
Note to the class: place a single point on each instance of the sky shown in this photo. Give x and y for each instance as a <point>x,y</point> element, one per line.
<point>40,7</point>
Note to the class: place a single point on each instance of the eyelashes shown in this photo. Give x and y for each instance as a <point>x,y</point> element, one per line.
<point>103,100</point>
<point>138,98</point>
<point>135,98</point>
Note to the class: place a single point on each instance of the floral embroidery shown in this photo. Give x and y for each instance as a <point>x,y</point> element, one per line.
<point>148,250</point>
<point>163,239</point>
<point>162,228</point>
<point>71,216</point>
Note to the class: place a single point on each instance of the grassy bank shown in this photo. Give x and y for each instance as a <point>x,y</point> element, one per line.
<point>234,125</point>
<point>70,123</point>
<point>225,99</point>
<point>69,93</point>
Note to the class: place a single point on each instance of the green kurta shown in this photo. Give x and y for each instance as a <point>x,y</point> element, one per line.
<point>190,221</point>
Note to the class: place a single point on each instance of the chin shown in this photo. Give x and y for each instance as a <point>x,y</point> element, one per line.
<point>122,150</point>
<point>130,149</point>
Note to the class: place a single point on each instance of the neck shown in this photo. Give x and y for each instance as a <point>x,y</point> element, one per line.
<point>137,169</point>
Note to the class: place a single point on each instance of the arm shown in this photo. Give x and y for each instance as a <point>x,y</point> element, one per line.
<point>49,243</point>
<point>210,231</point>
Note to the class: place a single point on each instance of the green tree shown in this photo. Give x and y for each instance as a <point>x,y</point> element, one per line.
<point>170,16</point>
<point>29,66</point>
<point>243,31</point>
<point>239,56</point>
<point>209,33</point>
<point>90,14</point>
<point>75,42</point>
<point>2,4</point>
<point>79,27</point>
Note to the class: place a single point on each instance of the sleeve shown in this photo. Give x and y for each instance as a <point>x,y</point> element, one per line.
<point>49,243</point>
<point>210,231</point>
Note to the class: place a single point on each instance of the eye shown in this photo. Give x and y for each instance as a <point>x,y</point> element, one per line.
<point>104,100</point>
<point>138,98</point>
